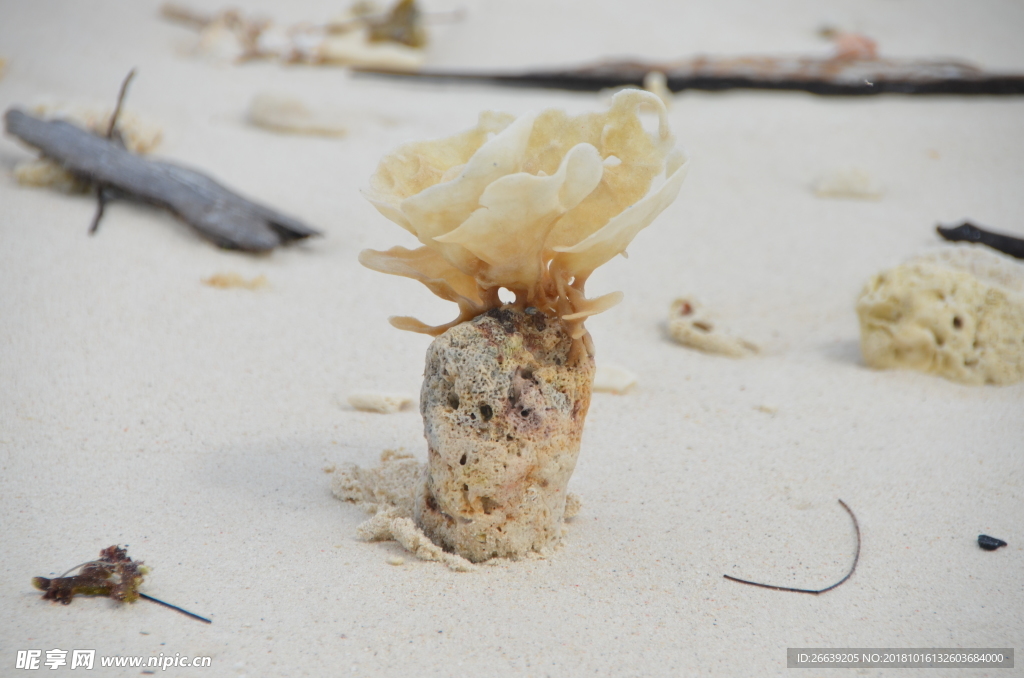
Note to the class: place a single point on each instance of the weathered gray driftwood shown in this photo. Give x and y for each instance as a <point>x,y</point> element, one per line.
<point>224,217</point>
<point>834,76</point>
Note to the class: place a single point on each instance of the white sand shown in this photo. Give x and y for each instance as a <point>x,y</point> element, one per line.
<point>139,406</point>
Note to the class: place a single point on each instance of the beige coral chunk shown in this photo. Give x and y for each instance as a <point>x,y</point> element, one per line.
<point>960,316</point>
<point>382,403</point>
<point>503,407</point>
<point>690,325</point>
<point>848,182</point>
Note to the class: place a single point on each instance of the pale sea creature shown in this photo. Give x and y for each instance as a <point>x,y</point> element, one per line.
<point>533,205</point>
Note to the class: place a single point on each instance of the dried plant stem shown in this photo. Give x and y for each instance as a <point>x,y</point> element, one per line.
<point>849,574</point>
<point>176,608</point>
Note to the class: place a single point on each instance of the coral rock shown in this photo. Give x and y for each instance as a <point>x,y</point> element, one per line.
<point>959,315</point>
<point>504,400</point>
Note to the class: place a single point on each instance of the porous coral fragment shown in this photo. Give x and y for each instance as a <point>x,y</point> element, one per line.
<point>503,403</point>
<point>959,315</point>
<point>533,204</point>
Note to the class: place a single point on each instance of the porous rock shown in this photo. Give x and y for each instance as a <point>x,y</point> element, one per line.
<point>504,400</point>
<point>958,314</point>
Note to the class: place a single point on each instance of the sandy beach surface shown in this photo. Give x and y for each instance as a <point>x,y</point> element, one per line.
<point>140,406</point>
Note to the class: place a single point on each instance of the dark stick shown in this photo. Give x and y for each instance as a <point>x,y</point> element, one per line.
<point>175,607</point>
<point>825,76</point>
<point>101,204</point>
<point>102,195</point>
<point>224,217</point>
<point>120,102</point>
<point>849,574</point>
<point>968,232</point>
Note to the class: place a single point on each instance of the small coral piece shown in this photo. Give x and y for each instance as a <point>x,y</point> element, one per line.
<point>114,575</point>
<point>851,182</point>
<point>613,379</point>
<point>690,325</point>
<point>532,204</point>
<point>226,281</point>
<point>382,403</point>
<point>958,314</point>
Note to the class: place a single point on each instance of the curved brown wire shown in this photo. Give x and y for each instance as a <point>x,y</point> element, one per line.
<point>856,557</point>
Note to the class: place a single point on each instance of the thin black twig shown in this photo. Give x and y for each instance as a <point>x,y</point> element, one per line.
<point>101,205</point>
<point>856,557</point>
<point>968,232</point>
<point>120,102</point>
<point>114,575</point>
<point>102,194</point>
<point>175,607</point>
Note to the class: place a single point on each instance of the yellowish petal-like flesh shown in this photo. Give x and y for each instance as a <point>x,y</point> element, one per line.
<point>427,266</point>
<point>533,204</point>
<point>615,236</point>
<point>596,305</point>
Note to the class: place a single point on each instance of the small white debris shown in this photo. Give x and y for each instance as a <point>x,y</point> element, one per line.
<point>850,182</point>
<point>396,561</point>
<point>611,378</point>
<point>384,403</point>
<point>289,115</point>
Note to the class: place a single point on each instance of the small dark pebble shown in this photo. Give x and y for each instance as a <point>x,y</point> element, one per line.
<point>989,543</point>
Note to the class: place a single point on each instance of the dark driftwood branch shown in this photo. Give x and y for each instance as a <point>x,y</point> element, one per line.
<point>827,76</point>
<point>856,557</point>
<point>224,217</point>
<point>968,232</point>
<point>103,194</point>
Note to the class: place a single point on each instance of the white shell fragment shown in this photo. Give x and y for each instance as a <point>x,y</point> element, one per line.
<point>611,378</point>
<point>384,403</point>
<point>957,313</point>
<point>285,114</point>
<point>849,182</point>
<point>690,325</point>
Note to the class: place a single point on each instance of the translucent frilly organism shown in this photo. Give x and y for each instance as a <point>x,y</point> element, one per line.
<point>532,204</point>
